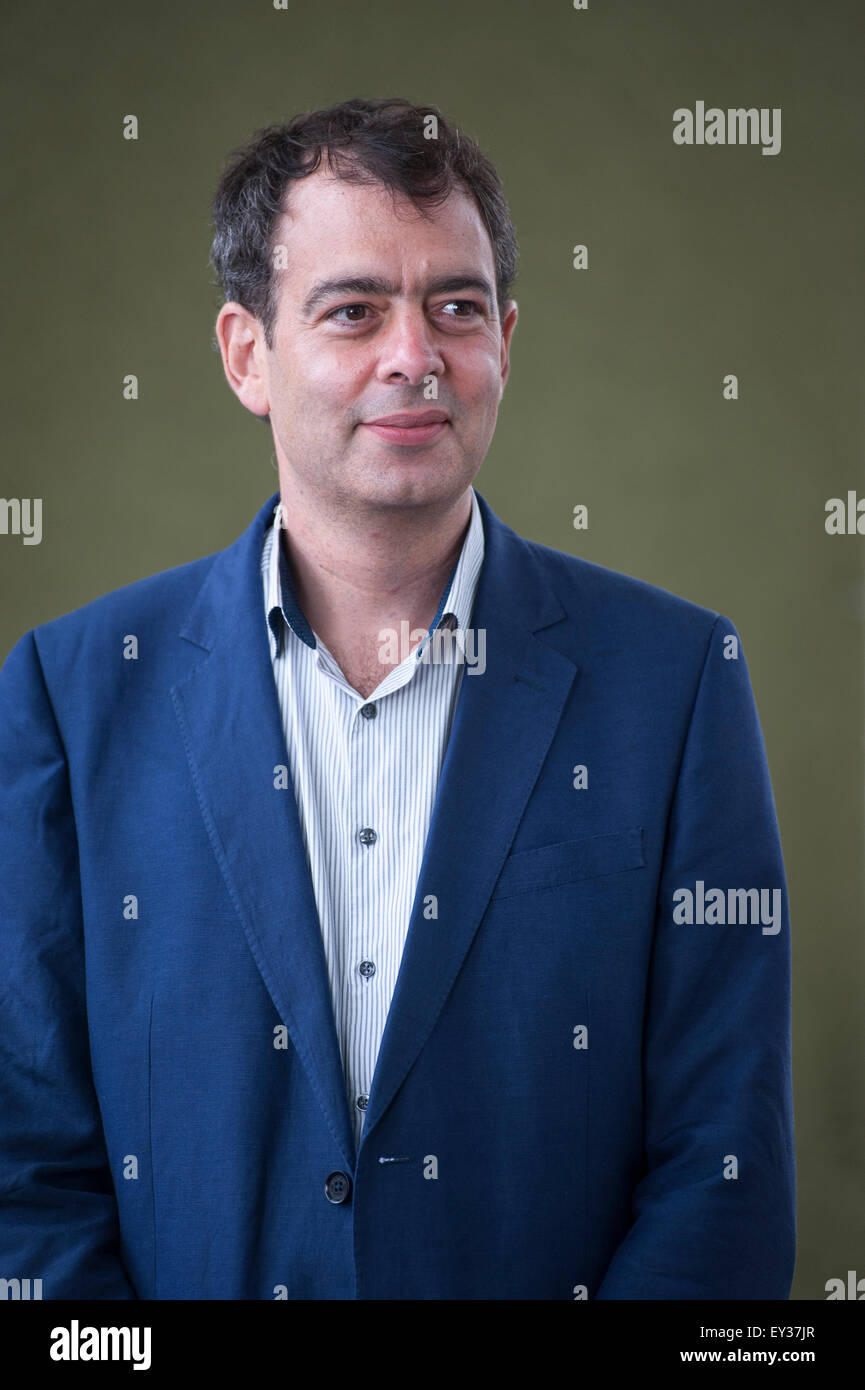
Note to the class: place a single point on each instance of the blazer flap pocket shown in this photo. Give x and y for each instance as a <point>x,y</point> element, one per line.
<point>568,861</point>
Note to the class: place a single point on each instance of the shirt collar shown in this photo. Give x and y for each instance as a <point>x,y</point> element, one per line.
<point>454,610</point>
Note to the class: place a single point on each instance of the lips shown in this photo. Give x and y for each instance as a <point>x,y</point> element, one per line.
<point>414,427</point>
<point>410,420</point>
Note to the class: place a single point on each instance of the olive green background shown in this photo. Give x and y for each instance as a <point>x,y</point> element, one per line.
<point>702,262</point>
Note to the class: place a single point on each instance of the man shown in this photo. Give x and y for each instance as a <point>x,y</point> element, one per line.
<point>392,907</point>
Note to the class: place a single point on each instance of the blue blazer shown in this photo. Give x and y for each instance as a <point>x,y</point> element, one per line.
<point>579,1092</point>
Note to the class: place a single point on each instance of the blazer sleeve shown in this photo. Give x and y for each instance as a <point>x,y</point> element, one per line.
<point>58,1211</point>
<point>714,1210</point>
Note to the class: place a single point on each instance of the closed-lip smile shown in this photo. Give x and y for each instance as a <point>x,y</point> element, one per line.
<point>410,427</point>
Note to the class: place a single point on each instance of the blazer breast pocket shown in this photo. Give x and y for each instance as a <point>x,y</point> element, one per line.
<point>570,861</point>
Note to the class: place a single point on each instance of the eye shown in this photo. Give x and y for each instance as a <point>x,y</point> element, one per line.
<point>344,309</point>
<point>465,304</point>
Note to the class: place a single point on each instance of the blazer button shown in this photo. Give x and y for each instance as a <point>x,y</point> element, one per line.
<point>338,1187</point>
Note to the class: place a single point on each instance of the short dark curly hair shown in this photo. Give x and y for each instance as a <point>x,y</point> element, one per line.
<point>362,141</point>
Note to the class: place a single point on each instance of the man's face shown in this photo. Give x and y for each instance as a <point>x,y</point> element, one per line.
<point>345,356</point>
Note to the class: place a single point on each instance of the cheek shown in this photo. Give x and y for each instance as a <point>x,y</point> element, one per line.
<point>308,387</point>
<point>481,381</point>
<point>331,377</point>
<point>482,367</point>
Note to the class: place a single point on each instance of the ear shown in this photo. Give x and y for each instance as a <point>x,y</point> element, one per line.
<point>509,323</point>
<point>240,336</point>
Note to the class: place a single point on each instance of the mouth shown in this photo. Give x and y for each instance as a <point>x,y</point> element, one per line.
<point>421,428</point>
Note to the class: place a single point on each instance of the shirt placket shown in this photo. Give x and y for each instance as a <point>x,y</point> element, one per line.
<point>363,976</point>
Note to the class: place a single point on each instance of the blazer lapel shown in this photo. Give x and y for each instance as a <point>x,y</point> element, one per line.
<point>232,730</point>
<point>503,726</point>
<point>504,723</point>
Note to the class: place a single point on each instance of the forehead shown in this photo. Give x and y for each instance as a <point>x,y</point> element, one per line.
<point>329,222</point>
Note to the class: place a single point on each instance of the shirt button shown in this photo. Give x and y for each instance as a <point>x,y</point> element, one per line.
<point>337,1188</point>
<point>367,836</point>
<point>368,711</point>
<point>367,968</point>
<point>449,622</point>
<point>362,1102</point>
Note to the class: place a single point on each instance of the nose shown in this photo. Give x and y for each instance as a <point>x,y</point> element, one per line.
<point>408,349</point>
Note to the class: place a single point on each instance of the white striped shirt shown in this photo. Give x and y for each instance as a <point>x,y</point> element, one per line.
<point>365,785</point>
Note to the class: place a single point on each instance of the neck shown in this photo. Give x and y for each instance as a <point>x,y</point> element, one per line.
<point>354,576</point>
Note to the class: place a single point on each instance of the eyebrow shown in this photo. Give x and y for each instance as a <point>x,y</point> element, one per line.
<point>374,284</point>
